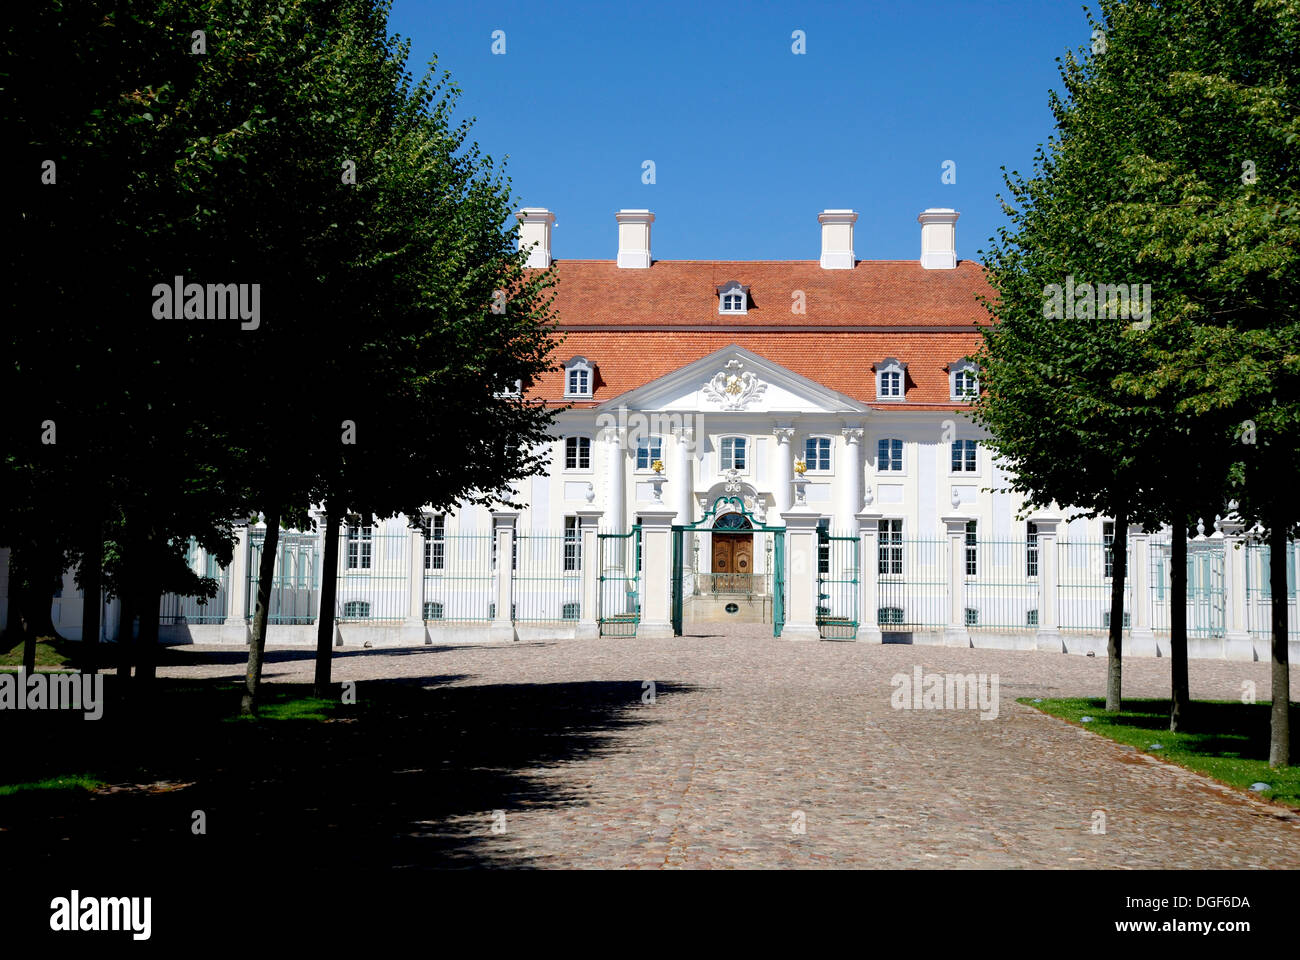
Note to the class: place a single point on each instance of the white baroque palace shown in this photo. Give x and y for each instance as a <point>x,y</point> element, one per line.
<point>785,442</point>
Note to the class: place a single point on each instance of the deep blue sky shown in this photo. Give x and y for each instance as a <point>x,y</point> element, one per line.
<point>751,141</point>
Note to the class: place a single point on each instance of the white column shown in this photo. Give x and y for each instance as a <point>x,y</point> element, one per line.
<point>1048,637</point>
<point>681,479</point>
<point>869,577</point>
<point>656,574</point>
<point>1236,633</point>
<point>502,628</point>
<point>850,480</point>
<point>1141,639</point>
<point>413,631</point>
<point>783,469</point>
<point>956,633</point>
<point>615,486</point>
<point>588,526</point>
<point>235,629</point>
<point>801,576</point>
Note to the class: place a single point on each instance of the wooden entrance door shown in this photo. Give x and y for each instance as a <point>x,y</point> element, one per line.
<point>733,561</point>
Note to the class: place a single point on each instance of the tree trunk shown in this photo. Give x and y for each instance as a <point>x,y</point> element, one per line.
<point>257,645</point>
<point>92,606</point>
<point>147,648</point>
<point>328,596</point>
<point>1115,638</point>
<point>125,631</point>
<point>30,601</point>
<point>1180,700</point>
<point>1279,743</point>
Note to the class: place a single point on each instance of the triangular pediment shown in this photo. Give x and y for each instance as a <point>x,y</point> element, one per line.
<point>735,380</point>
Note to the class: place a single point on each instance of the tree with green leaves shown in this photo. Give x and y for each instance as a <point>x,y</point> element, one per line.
<point>1144,184</point>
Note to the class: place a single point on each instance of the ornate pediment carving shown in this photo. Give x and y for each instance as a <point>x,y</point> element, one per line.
<point>734,387</point>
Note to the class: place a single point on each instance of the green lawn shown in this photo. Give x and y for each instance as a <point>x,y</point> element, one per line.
<point>49,653</point>
<point>73,782</point>
<point>1225,740</point>
<point>195,706</point>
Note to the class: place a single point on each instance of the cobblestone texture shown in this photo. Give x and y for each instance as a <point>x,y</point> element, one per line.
<point>748,731</point>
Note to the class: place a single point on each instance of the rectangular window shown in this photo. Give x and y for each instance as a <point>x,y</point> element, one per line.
<point>648,450</point>
<point>891,383</point>
<point>817,453</point>
<point>435,542</point>
<point>1108,544</point>
<point>733,453</point>
<point>963,456</point>
<point>890,616</point>
<point>890,548</point>
<point>579,382</point>
<point>572,544</point>
<point>577,453</point>
<point>823,545</point>
<point>964,385</point>
<point>359,542</point>
<point>1031,550</point>
<point>972,549</point>
<point>889,455</point>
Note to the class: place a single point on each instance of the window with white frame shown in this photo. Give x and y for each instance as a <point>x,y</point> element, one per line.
<point>1031,549</point>
<point>963,456</point>
<point>817,453</point>
<point>1108,545</point>
<point>964,381</point>
<point>732,455</point>
<point>733,298</point>
<point>435,542</point>
<point>577,453</point>
<point>511,389</point>
<point>972,548</point>
<point>890,380</point>
<point>572,544</point>
<point>578,381</point>
<point>823,545</point>
<point>648,450</point>
<point>359,539</point>
<point>889,455</point>
<point>890,546</point>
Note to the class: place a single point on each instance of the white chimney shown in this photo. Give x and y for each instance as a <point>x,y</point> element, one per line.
<point>837,239</point>
<point>938,238</point>
<point>535,231</point>
<point>634,237</point>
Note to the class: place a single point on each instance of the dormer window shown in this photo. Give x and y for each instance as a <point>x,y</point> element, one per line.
<point>510,390</point>
<point>733,298</point>
<point>890,379</point>
<point>964,381</point>
<point>578,378</point>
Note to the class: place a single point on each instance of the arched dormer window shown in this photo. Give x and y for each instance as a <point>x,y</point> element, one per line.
<point>891,379</point>
<point>578,378</point>
<point>733,297</point>
<point>963,381</point>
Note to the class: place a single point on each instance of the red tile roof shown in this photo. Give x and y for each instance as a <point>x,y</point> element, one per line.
<point>636,326</point>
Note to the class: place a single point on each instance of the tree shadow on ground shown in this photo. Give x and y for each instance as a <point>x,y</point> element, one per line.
<point>409,776</point>
<point>1209,726</point>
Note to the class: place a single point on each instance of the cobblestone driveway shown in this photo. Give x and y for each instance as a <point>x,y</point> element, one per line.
<point>749,735</point>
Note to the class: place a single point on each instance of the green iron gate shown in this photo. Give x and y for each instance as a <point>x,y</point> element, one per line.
<point>618,592</point>
<point>777,561</point>
<point>837,585</point>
